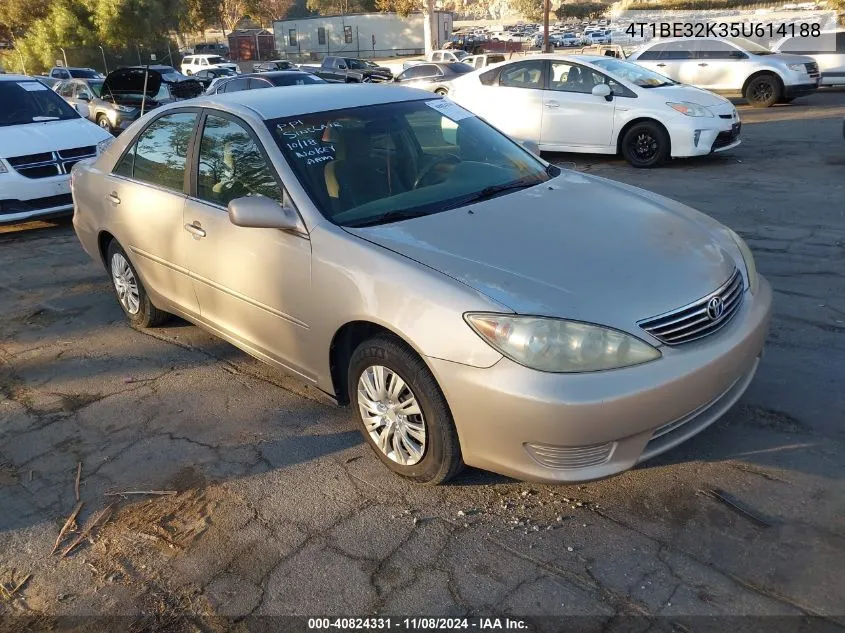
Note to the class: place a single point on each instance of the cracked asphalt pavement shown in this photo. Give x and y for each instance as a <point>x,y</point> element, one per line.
<point>280,508</point>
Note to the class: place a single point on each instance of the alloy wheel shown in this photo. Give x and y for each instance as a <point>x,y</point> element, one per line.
<point>644,146</point>
<point>125,284</point>
<point>392,415</point>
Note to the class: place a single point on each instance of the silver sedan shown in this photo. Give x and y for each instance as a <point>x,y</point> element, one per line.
<point>472,303</point>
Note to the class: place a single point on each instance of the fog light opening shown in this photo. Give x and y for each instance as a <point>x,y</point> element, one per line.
<point>696,136</point>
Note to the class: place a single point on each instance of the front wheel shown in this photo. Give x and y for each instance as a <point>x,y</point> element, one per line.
<point>104,123</point>
<point>402,413</point>
<point>763,91</point>
<point>645,144</point>
<point>130,292</point>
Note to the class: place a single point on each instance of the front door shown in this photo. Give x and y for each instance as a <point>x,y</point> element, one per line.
<point>572,115</point>
<point>252,283</point>
<point>148,182</point>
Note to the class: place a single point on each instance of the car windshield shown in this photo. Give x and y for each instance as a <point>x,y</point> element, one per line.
<point>633,73</point>
<point>460,54</point>
<point>96,87</point>
<point>749,47</point>
<point>31,102</point>
<point>356,63</point>
<point>381,163</point>
<point>83,73</point>
<point>459,68</point>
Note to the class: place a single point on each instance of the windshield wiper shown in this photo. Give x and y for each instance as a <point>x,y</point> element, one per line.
<point>660,85</point>
<point>385,218</point>
<point>38,119</point>
<point>494,190</point>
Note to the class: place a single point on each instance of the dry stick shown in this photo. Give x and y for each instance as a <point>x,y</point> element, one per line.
<point>99,521</point>
<point>78,475</point>
<point>20,584</point>
<point>141,492</point>
<point>67,525</point>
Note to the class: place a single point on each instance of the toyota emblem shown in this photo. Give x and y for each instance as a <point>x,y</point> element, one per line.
<point>715,308</point>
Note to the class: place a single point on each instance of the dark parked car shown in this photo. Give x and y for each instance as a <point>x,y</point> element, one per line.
<point>352,70</point>
<point>276,64</point>
<point>435,77</point>
<point>211,49</point>
<point>117,101</point>
<point>264,80</point>
<point>206,77</point>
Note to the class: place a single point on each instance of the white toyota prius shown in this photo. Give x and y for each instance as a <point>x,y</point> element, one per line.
<point>599,105</point>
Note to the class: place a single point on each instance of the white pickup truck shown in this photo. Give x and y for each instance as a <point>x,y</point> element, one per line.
<point>445,55</point>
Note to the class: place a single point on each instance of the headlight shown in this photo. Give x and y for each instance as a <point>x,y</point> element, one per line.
<point>103,145</point>
<point>797,67</point>
<point>556,345</point>
<point>690,109</point>
<point>748,258</point>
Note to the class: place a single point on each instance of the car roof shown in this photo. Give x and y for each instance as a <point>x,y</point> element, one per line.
<point>312,98</point>
<point>17,78</point>
<point>204,55</point>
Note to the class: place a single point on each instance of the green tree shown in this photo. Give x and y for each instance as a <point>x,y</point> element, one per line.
<point>402,7</point>
<point>532,10</point>
<point>340,7</point>
<point>266,11</point>
<point>16,16</point>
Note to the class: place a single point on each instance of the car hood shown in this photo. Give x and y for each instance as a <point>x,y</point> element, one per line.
<point>683,92</point>
<point>576,246</point>
<point>49,136</point>
<point>131,80</point>
<point>788,58</point>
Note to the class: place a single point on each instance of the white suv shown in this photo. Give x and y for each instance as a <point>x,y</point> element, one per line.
<point>41,138</point>
<point>195,63</point>
<point>828,49</point>
<point>733,66</point>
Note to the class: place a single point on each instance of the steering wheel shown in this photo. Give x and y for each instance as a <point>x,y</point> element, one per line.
<point>425,170</point>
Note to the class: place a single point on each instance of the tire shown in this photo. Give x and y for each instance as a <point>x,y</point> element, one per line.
<point>140,311</point>
<point>763,91</point>
<point>189,72</point>
<point>431,432</point>
<point>104,123</point>
<point>646,144</point>
<point>441,91</point>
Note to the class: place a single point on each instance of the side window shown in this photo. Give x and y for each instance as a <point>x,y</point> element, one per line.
<point>436,57</point>
<point>66,89</point>
<point>677,51</point>
<point>291,37</point>
<point>83,92</point>
<point>254,84</point>
<point>571,78</point>
<point>652,53</point>
<point>489,78</point>
<point>523,75</point>
<point>231,165</point>
<point>712,49</point>
<point>840,42</point>
<point>235,85</point>
<point>479,62</point>
<point>321,35</point>
<point>161,150</point>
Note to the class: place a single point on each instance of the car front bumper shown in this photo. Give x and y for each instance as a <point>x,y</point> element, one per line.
<point>23,199</point>
<point>579,427</point>
<point>800,90</point>
<point>699,136</point>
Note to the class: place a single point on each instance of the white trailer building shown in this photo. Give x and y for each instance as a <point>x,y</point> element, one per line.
<point>367,35</point>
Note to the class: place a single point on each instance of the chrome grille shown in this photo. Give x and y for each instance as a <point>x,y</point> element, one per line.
<point>812,69</point>
<point>49,164</point>
<point>699,319</point>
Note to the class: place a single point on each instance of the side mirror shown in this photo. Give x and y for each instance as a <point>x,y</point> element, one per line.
<point>531,146</point>
<point>602,90</point>
<point>263,213</point>
<point>342,66</point>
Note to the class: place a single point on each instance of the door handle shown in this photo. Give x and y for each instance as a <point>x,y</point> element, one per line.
<point>552,104</point>
<point>660,65</point>
<point>702,64</point>
<point>195,229</point>
<point>113,198</point>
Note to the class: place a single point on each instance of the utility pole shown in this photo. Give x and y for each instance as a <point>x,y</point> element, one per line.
<point>432,34</point>
<point>547,8</point>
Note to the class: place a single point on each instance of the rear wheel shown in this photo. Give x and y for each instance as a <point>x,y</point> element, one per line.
<point>130,292</point>
<point>763,91</point>
<point>402,413</point>
<point>645,144</point>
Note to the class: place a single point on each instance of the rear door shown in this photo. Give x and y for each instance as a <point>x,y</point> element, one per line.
<point>572,115</point>
<point>514,100</point>
<point>253,284</point>
<point>144,195</point>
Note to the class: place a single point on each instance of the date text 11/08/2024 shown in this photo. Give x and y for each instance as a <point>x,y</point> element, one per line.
<point>722,29</point>
<point>416,624</point>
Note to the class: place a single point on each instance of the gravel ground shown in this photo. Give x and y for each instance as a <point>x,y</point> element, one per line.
<point>279,508</point>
